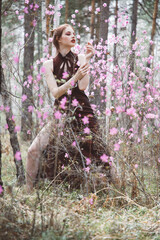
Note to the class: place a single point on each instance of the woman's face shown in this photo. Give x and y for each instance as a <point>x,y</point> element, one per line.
<point>68,37</point>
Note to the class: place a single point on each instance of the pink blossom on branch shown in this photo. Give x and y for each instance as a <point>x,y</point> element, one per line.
<point>24,97</point>
<point>85,120</point>
<point>104,158</point>
<point>16,59</point>
<point>74,103</point>
<point>131,111</point>
<point>87,130</point>
<point>1,189</point>
<point>17,128</point>
<point>30,108</point>
<point>18,156</point>
<point>113,131</point>
<point>116,147</point>
<point>58,115</point>
<point>88,161</point>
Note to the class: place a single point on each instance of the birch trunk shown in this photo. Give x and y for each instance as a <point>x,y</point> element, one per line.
<point>92,18</point>
<point>66,10</point>
<point>13,135</point>
<point>26,120</point>
<point>115,32</point>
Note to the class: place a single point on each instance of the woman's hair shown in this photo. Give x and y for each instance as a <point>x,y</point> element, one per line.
<point>57,33</point>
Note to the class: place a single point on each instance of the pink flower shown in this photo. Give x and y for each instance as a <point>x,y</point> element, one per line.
<point>74,144</point>
<point>86,130</point>
<point>66,155</point>
<point>108,112</point>
<point>104,4</point>
<point>7,109</point>
<point>1,107</point>
<point>159,160</point>
<point>30,78</point>
<point>24,97</point>
<point>136,165</point>
<point>36,6</point>
<point>73,15</point>
<point>88,161</point>
<point>91,201</point>
<point>40,101</point>
<point>113,131</point>
<point>131,111</point>
<point>39,114</point>
<point>17,128</point>
<point>63,102</point>
<point>18,156</point>
<point>119,109</point>
<point>26,10</point>
<point>6,126</point>
<point>69,91</point>
<point>85,120</point>
<point>116,147</point>
<point>16,59</point>
<point>50,39</point>
<point>20,17</point>
<point>1,189</point>
<point>43,69</point>
<point>98,9</point>
<point>104,158</point>
<point>74,103</point>
<point>45,115</point>
<point>87,169</point>
<point>58,115</point>
<point>30,108</point>
<point>151,116</point>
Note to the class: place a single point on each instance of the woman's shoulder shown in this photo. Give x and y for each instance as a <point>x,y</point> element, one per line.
<point>48,64</point>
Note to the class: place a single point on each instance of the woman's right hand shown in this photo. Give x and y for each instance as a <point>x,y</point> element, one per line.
<point>82,71</point>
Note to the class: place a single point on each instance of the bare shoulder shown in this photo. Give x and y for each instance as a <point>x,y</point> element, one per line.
<point>82,58</point>
<point>48,64</point>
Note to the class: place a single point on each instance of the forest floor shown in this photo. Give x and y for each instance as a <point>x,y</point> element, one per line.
<point>59,213</point>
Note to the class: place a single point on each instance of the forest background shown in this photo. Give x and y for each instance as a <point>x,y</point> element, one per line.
<point>124,92</point>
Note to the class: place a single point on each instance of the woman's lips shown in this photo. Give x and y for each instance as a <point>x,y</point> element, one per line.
<point>73,41</point>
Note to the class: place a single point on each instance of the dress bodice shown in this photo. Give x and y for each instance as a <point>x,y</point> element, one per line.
<point>64,68</point>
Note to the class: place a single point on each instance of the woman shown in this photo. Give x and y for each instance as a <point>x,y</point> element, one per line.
<point>73,138</point>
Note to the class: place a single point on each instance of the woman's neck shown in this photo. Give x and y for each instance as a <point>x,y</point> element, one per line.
<point>64,51</point>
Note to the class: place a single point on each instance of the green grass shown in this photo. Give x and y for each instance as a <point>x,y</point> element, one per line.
<point>60,214</point>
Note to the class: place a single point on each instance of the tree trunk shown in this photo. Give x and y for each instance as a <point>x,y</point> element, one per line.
<point>39,48</point>
<point>104,16</point>
<point>56,15</point>
<point>115,32</point>
<point>128,121</point>
<point>47,20</point>
<point>133,32</point>
<point>151,48</point>
<point>92,18</point>
<point>26,121</point>
<point>1,183</point>
<point>13,135</point>
<point>66,10</point>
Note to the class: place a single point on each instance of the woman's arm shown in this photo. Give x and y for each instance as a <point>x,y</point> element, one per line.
<point>85,58</point>
<point>83,83</point>
<point>51,81</point>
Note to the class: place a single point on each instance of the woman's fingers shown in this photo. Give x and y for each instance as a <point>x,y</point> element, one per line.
<point>84,65</point>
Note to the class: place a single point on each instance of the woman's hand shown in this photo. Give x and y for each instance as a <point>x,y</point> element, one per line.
<point>89,51</point>
<point>82,71</point>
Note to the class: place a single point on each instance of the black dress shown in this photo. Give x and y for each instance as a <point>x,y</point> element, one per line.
<point>76,143</point>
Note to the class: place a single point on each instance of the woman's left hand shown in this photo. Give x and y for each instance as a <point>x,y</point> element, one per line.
<point>89,51</point>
